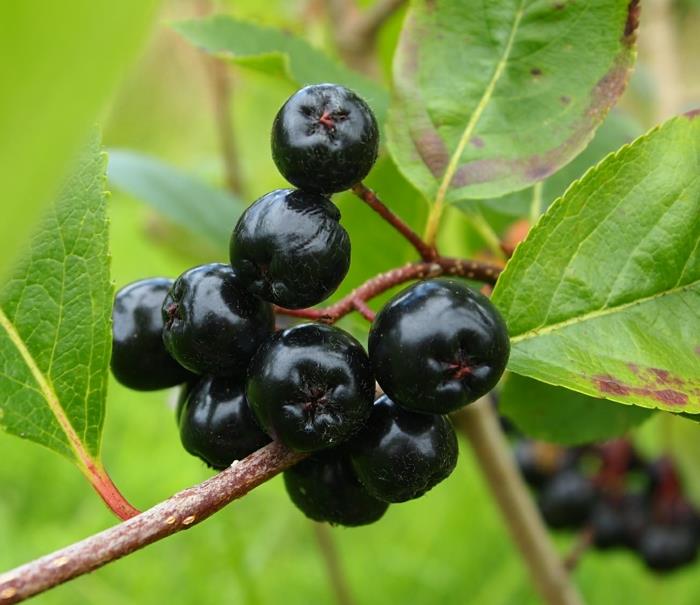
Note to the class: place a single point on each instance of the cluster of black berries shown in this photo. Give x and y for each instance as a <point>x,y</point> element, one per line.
<point>433,348</point>
<point>619,499</point>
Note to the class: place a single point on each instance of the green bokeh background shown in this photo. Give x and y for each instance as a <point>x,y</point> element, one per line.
<point>448,547</point>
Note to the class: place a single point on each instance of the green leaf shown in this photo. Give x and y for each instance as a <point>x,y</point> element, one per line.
<point>187,201</point>
<point>555,414</point>
<point>617,130</point>
<point>55,322</point>
<point>59,62</point>
<point>491,97</point>
<point>278,53</point>
<point>603,297</point>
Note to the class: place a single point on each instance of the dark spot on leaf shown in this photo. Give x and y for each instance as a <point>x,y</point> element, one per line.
<point>697,350</point>
<point>692,114</point>
<point>609,385</point>
<point>432,151</point>
<point>630,35</point>
<point>565,100</point>
<point>477,142</point>
<point>536,71</point>
<point>634,368</point>
<point>665,377</point>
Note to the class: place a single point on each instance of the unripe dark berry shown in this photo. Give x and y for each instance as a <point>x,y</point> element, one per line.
<point>290,249</point>
<point>139,359</point>
<point>216,423</point>
<point>567,501</point>
<point>324,138</point>
<point>400,455</point>
<point>438,346</point>
<point>310,386</point>
<point>325,488</point>
<point>213,325</point>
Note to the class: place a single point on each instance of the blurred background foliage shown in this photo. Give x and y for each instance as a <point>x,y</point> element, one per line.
<point>448,547</point>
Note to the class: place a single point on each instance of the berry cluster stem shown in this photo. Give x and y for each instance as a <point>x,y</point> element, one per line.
<point>181,511</point>
<point>370,198</point>
<point>479,423</point>
<point>378,284</point>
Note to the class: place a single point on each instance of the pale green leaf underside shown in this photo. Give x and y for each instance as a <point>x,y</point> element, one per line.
<point>491,97</point>
<point>55,321</point>
<point>184,199</point>
<point>278,53</point>
<point>604,295</point>
<point>563,416</point>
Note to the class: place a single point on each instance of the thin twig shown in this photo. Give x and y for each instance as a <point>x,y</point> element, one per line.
<point>363,309</point>
<point>583,542</point>
<point>479,423</point>
<point>329,553</point>
<point>370,198</point>
<point>470,269</point>
<point>181,511</point>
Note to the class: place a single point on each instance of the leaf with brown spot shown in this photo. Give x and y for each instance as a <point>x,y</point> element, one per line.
<point>603,296</point>
<point>530,80</point>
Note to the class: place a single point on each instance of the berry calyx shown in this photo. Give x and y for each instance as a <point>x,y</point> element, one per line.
<point>216,423</point>
<point>212,324</point>
<point>310,386</point>
<point>399,455</point>
<point>139,358</point>
<point>438,346</point>
<point>325,138</point>
<point>324,487</point>
<point>290,249</point>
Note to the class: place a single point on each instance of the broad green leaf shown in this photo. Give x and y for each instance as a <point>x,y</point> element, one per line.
<point>555,414</point>
<point>491,97</point>
<point>59,61</point>
<point>187,201</point>
<point>278,53</point>
<point>603,297</point>
<point>617,130</point>
<point>55,322</point>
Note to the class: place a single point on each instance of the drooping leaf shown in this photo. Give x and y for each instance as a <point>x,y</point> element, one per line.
<point>55,322</point>
<point>491,97</point>
<point>555,414</point>
<point>278,53</point>
<point>603,297</point>
<point>187,201</point>
<point>59,61</point>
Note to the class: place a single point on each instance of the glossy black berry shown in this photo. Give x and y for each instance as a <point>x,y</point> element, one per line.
<point>668,547</point>
<point>311,386</point>
<point>324,138</point>
<point>213,325</point>
<point>539,461</point>
<point>216,423</point>
<point>438,346</point>
<point>567,501</point>
<point>139,359</point>
<point>290,249</point>
<point>324,487</point>
<point>400,455</point>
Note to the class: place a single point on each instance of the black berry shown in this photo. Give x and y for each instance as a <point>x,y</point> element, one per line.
<point>438,346</point>
<point>400,455</point>
<point>311,386</point>
<point>619,521</point>
<point>668,547</point>
<point>212,324</point>
<point>139,359</point>
<point>325,488</point>
<point>324,138</point>
<point>216,423</point>
<point>567,501</point>
<point>539,461</point>
<point>290,249</point>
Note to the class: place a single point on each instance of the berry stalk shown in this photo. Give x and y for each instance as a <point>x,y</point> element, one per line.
<point>181,511</point>
<point>480,424</point>
<point>379,284</point>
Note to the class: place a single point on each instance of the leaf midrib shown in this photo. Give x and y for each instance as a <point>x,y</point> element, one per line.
<point>46,391</point>
<point>602,312</point>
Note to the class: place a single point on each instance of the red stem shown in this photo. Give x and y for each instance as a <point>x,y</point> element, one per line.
<point>113,498</point>
<point>479,271</point>
<point>370,198</point>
